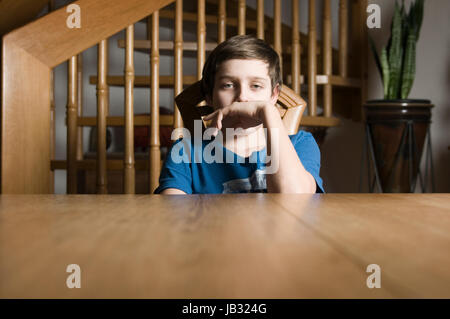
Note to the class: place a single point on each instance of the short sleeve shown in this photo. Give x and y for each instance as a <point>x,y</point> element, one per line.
<point>309,153</point>
<point>176,170</point>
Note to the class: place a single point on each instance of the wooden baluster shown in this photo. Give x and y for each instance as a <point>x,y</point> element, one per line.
<point>312,89</point>
<point>52,130</point>
<point>260,19</point>
<point>277,29</point>
<point>155,151</point>
<point>178,59</point>
<point>72,114</point>
<point>343,16</point>
<point>51,7</point>
<point>222,22</point>
<point>80,154</point>
<point>327,61</point>
<point>295,54</point>
<point>201,37</point>
<point>359,52</point>
<point>102,108</point>
<point>241,17</point>
<point>363,61</point>
<point>128,161</point>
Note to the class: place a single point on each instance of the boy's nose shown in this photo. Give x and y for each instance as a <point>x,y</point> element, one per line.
<point>242,95</point>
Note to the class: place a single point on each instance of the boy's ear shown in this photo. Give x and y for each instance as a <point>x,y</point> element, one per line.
<point>275,94</point>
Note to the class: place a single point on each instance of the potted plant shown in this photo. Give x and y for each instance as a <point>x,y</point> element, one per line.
<point>397,126</point>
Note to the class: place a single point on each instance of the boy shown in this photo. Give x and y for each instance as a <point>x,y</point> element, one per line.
<point>242,81</point>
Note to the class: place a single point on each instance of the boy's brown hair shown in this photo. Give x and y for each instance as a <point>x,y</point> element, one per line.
<point>240,47</point>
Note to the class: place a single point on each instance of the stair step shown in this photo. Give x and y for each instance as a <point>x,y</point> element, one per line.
<point>334,80</point>
<point>91,164</point>
<point>209,19</point>
<point>139,120</point>
<point>319,121</point>
<point>144,81</point>
<point>166,45</point>
<point>167,120</point>
<point>168,80</point>
<point>337,80</point>
<point>145,46</point>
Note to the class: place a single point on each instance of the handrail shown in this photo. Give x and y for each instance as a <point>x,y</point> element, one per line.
<point>100,19</point>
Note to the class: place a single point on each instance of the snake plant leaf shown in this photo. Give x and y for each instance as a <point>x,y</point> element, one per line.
<point>405,28</point>
<point>385,68</point>
<point>397,60</point>
<point>395,54</point>
<point>418,13</point>
<point>396,77</point>
<point>409,69</point>
<point>405,23</point>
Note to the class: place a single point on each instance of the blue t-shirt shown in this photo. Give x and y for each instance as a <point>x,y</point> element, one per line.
<point>210,168</point>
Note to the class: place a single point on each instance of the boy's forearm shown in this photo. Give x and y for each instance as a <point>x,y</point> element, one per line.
<point>291,176</point>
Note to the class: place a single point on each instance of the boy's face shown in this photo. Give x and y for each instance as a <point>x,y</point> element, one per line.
<point>240,80</point>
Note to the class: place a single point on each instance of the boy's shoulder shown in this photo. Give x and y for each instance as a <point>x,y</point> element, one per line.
<point>301,136</point>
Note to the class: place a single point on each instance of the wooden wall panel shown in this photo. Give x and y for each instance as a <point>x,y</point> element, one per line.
<point>25,123</point>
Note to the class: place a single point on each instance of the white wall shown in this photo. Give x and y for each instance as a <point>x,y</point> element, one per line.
<point>341,152</point>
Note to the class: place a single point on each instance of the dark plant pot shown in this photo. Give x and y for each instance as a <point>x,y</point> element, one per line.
<point>398,129</point>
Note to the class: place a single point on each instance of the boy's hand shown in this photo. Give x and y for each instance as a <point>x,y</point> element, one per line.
<point>238,114</point>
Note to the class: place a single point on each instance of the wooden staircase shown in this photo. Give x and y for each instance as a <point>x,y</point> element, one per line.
<point>308,66</point>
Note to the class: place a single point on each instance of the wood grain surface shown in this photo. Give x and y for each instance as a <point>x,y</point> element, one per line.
<point>225,246</point>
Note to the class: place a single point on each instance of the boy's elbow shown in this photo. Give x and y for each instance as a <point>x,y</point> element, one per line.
<point>173,191</point>
<point>295,188</point>
<point>305,186</point>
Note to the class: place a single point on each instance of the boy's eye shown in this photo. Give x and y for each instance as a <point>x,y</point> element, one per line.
<point>227,85</point>
<point>257,86</point>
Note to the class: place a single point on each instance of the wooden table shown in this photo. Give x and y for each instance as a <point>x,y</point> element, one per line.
<point>225,246</point>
